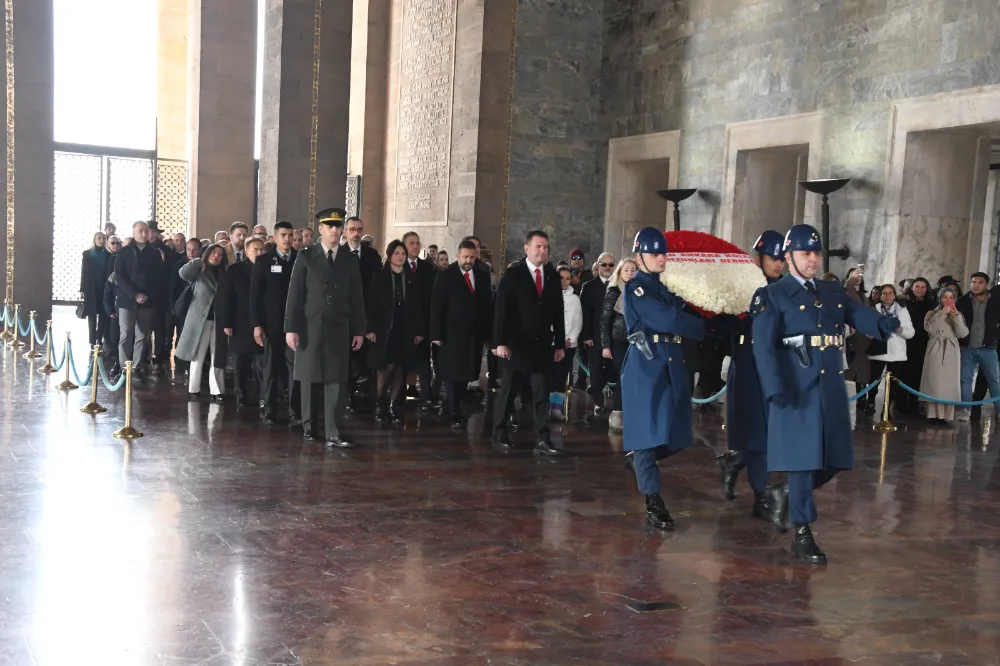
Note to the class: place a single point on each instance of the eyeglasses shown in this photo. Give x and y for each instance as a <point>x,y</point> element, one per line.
<point>113,243</point>
<point>576,258</point>
<point>607,265</point>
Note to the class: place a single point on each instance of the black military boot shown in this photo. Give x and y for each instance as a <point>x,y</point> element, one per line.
<point>761,506</point>
<point>396,412</point>
<point>657,514</point>
<point>804,546</point>
<point>777,497</point>
<point>730,465</point>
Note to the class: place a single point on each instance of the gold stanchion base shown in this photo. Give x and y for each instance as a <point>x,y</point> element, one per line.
<point>18,343</point>
<point>67,386</point>
<point>32,354</point>
<point>884,426</point>
<point>46,369</point>
<point>6,336</point>
<point>93,408</point>
<point>128,432</point>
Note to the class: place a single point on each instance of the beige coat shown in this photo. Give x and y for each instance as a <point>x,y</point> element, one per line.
<point>942,360</point>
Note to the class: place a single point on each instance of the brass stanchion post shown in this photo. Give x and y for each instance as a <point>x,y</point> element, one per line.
<point>66,385</point>
<point>886,425</point>
<point>32,352</point>
<point>15,329</point>
<point>5,336</point>
<point>48,368</point>
<point>93,407</point>
<point>127,431</point>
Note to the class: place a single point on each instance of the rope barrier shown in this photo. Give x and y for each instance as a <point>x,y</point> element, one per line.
<point>34,331</point>
<point>58,366</point>
<point>941,401</point>
<point>704,401</point>
<point>8,317</point>
<point>72,368</point>
<point>862,393</point>
<point>23,329</point>
<point>114,388</point>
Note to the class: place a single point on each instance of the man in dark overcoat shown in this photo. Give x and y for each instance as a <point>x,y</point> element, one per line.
<point>370,263</point>
<point>324,321</point>
<point>798,339</point>
<point>529,334</point>
<point>268,297</point>
<point>233,317</point>
<point>461,318</point>
<point>426,274</point>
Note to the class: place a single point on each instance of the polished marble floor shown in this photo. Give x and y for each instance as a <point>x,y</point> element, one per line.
<point>215,541</point>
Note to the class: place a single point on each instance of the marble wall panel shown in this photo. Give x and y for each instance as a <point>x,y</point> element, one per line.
<point>932,247</point>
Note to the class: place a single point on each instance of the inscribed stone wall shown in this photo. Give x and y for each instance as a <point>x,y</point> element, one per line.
<point>424,112</point>
<point>697,65</point>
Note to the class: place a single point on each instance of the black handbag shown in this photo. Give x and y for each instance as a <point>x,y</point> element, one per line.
<point>80,314</point>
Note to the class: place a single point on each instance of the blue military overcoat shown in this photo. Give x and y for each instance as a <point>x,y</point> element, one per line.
<point>809,427</point>
<point>746,409</point>
<point>656,396</point>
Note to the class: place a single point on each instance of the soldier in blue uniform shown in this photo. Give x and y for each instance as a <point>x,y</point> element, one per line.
<point>798,335</point>
<point>746,411</point>
<point>656,396</point>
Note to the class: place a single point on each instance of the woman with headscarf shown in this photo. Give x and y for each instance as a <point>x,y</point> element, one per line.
<point>198,336</point>
<point>940,376</point>
<point>93,274</point>
<point>919,301</point>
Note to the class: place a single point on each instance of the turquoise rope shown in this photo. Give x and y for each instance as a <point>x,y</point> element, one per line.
<point>40,341</point>
<point>23,329</point>
<point>864,391</point>
<point>58,366</point>
<point>956,403</point>
<point>8,315</point>
<point>104,377</point>
<point>72,369</point>
<point>703,401</point>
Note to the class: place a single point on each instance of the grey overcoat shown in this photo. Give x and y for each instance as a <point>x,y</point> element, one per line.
<point>203,288</point>
<point>326,307</point>
<point>943,358</point>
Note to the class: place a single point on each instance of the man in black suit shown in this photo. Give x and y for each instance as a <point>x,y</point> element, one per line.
<point>529,333</point>
<point>592,300</point>
<point>426,273</point>
<point>370,263</point>
<point>461,312</point>
<point>268,296</point>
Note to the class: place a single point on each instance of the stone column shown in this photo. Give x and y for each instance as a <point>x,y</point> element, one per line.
<point>33,84</point>
<point>369,79</point>
<point>290,57</point>
<point>171,79</point>
<point>222,58</point>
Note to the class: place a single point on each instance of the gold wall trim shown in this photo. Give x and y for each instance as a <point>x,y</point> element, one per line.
<point>8,24</point>
<point>314,131</point>
<point>504,206</point>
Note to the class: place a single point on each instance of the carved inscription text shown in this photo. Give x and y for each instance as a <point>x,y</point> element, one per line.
<point>423,128</point>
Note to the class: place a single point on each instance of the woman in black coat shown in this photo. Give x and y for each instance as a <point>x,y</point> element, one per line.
<point>93,275</point>
<point>234,318</point>
<point>395,327</point>
<point>920,300</point>
<point>613,331</point>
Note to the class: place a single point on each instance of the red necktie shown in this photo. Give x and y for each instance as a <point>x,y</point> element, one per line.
<point>538,281</point>
<point>468,281</point>
<point>413,267</point>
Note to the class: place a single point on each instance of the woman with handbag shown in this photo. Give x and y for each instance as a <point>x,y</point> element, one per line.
<point>199,335</point>
<point>941,373</point>
<point>93,275</point>
<point>890,354</point>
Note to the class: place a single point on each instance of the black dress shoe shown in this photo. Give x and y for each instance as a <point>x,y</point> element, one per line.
<point>777,497</point>
<point>381,410</point>
<point>311,434</point>
<point>630,460</point>
<point>515,422</point>
<point>294,421</point>
<point>194,396</point>
<point>657,514</point>
<point>396,413</point>
<point>761,506</point>
<point>267,418</point>
<point>729,466</point>
<point>217,399</point>
<point>338,443</point>
<point>804,546</point>
<point>545,448</point>
<point>502,441</point>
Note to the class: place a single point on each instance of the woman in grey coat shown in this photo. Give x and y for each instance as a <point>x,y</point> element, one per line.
<point>198,335</point>
<point>945,325</point>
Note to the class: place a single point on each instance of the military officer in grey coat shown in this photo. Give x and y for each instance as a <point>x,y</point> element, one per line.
<point>324,321</point>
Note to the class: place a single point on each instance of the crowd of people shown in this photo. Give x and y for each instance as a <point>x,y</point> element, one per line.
<point>416,324</point>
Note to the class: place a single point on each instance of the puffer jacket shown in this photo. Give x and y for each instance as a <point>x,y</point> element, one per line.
<point>612,323</point>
